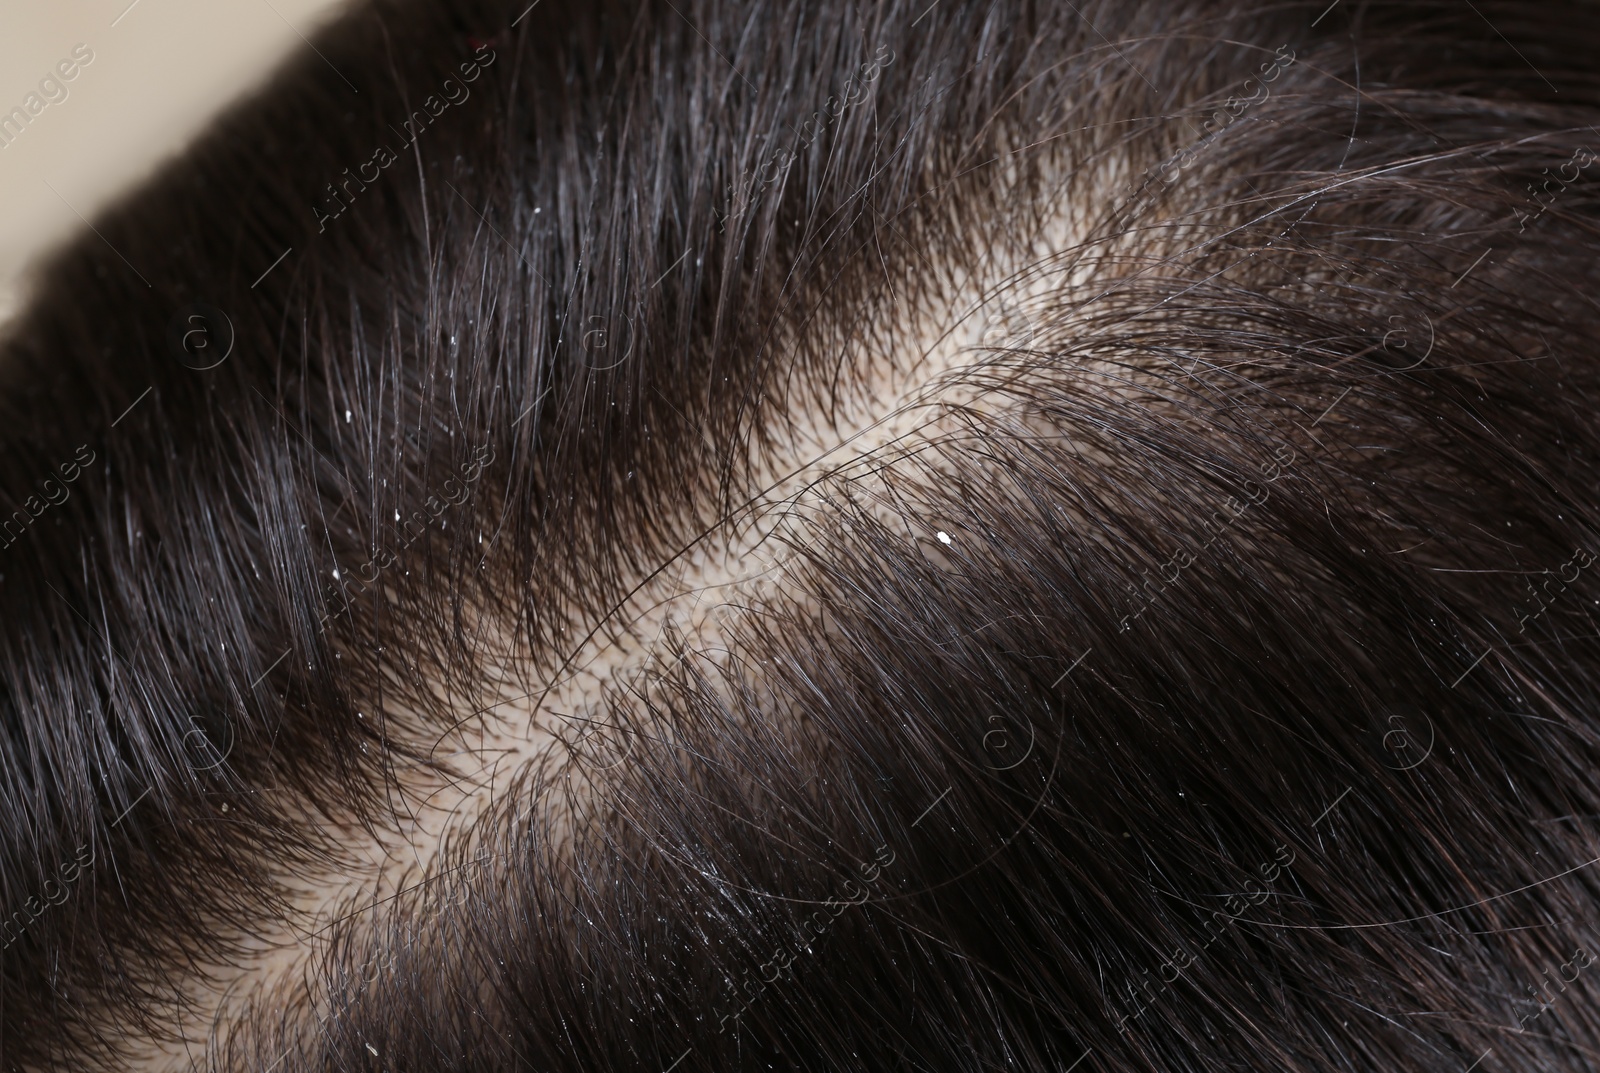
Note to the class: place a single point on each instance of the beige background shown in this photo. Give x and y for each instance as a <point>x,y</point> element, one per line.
<point>158,75</point>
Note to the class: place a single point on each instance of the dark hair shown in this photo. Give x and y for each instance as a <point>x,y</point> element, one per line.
<point>822,536</point>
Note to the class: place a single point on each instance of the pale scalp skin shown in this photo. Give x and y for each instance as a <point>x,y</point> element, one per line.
<point>908,391</point>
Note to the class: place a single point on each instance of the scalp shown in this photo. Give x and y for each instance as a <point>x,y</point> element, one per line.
<point>982,493</point>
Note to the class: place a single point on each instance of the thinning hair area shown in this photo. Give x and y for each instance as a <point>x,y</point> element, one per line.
<point>829,535</point>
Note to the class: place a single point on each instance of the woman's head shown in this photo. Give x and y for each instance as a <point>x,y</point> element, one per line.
<point>822,536</point>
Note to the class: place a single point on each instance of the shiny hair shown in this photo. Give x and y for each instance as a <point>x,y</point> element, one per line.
<point>1147,454</point>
